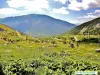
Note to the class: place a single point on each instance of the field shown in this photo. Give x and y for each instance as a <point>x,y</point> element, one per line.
<point>58,55</point>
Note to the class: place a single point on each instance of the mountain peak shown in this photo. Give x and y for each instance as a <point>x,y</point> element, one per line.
<point>92,27</point>
<point>37,25</point>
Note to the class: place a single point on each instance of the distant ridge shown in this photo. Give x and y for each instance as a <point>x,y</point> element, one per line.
<point>8,35</point>
<point>92,27</point>
<point>37,25</point>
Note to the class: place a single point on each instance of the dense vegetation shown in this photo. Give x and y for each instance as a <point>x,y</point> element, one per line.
<point>49,64</point>
<point>50,56</point>
<point>21,54</point>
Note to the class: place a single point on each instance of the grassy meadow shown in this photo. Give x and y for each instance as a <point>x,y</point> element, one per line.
<point>49,56</point>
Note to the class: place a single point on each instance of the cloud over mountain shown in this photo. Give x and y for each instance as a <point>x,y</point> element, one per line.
<point>60,9</point>
<point>83,4</point>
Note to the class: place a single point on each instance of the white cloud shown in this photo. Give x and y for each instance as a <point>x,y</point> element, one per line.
<point>17,3</point>
<point>88,17</point>
<point>8,12</point>
<point>74,5</point>
<point>32,5</point>
<point>5,11</point>
<point>97,11</point>
<point>76,22</point>
<point>62,1</point>
<point>23,7</point>
<point>61,11</point>
<point>89,13</point>
<point>38,5</point>
<point>84,5</point>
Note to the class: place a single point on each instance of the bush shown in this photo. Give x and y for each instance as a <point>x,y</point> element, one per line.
<point>49,64</point>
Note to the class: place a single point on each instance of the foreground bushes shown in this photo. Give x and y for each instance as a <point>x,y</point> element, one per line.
<point>49,64</point>
<point>1,70</point>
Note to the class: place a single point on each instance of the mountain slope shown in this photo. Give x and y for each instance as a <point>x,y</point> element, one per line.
<point>91,27</point>
<point>37,25</point>
<point>9,35</point>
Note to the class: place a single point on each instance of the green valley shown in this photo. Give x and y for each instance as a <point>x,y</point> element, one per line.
<point>21,54</point>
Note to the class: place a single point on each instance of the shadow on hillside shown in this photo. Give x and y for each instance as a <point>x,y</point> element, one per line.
<point>1,70</point>
<point>91,40</point>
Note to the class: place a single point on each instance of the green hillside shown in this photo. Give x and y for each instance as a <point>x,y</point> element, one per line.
<point>9,35</point>
<point>22,54</point>
<point>92,27</point>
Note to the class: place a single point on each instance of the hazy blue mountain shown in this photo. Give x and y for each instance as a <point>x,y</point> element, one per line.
<point>37,25</point>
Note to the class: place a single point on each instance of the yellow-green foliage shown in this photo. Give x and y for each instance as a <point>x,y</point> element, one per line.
<point>47,56</point>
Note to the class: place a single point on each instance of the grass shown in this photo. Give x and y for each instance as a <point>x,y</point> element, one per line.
<point>25,50</point>
<point>29,49</point>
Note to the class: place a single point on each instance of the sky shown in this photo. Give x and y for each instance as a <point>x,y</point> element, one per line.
<point>73,11</point>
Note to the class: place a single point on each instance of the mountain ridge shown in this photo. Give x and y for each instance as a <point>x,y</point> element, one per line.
<point>34,24</point>
<point>9,35</point>
<point>92,27</point>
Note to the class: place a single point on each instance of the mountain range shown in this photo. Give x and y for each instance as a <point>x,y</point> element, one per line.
<point>92,27</point>
<point>37,25</point>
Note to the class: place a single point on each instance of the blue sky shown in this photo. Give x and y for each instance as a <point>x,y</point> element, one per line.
<point>74,11</point>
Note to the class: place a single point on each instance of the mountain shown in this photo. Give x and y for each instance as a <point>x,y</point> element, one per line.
<point>37,25</point>
<point>91,27</point>
<point>9,35</point>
